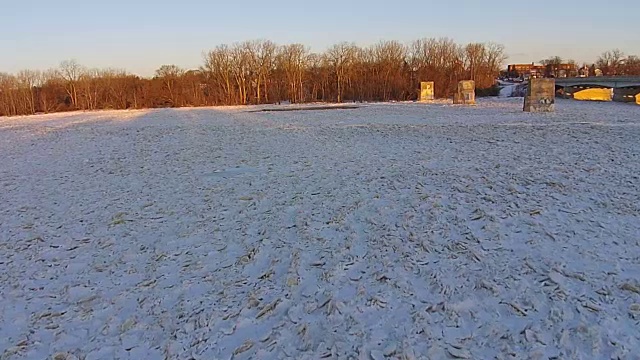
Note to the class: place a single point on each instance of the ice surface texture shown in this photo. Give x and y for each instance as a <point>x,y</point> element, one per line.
<point>390,231</point>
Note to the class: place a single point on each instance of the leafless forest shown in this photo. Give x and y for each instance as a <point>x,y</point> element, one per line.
<point>257,72</point>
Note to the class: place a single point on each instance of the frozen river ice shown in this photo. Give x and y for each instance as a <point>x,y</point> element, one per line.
<point>402,231</point>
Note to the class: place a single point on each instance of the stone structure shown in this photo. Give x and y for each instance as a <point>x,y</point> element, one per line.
<point>466,93</point>
<point>541,95</point>
<point>600,81</point>
<point>628,95</point>
<point>601,88</point>
<point>427,91</point>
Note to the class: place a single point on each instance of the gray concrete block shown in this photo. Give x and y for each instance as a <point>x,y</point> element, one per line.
<point>466,94</point>
<point>541,95</point>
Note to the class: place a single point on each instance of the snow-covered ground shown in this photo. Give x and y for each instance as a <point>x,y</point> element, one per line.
<point>393,230</point>
<point>513,90</point>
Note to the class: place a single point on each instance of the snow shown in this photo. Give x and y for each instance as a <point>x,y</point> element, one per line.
<point>513,90</point>
<point>507,90</point>
<point>389,231</point>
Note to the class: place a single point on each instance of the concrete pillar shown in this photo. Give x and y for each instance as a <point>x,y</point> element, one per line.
<point>626,95</point>
<point>567,92</point>
<point>427,91</point>
<point>466,93</point>
<point>541,95</point>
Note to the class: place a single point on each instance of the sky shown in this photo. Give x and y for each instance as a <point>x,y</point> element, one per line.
<point>140,36</point>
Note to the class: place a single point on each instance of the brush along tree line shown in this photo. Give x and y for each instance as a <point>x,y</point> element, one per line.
<point>258,72</point>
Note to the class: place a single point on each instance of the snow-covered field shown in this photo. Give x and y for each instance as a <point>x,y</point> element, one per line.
<point>389,231</point>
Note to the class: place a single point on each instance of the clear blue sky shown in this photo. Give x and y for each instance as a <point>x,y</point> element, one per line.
<point>142,35</point>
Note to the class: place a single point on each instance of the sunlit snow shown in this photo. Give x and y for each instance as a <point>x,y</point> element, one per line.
<point>401,231</point>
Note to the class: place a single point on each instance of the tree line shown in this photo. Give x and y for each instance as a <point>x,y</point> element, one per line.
<point>259,72</point>
<point>609,63</point>
<point>615,62</point>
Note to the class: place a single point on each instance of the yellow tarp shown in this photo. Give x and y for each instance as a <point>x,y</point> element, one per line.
<point>638,99</point>
<point>593,94</point>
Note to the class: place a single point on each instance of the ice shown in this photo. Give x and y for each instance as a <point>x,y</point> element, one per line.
<point>507,90</point>
<point>512,90</point>
<point>393,230</point>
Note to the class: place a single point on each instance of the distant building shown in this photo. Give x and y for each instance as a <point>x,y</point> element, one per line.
<point>525,71</point>
<point>584,71</point>
<point>533,70</point>
<point>561,70</point>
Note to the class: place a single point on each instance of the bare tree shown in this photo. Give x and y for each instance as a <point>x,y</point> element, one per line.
<point>632,65</point>
<point>438,60</point>
<point>496,57</point>
<point>49,88</point>
<point>319,74</point>
<point>261,71</point>
<point>217,68</point>
<point>8,98</point>
<point>475,56</point>
<point>88,88</point>
<point>292,61</point>
<point>27,82</point>
<point>170,76</point>
<point>553,65</point>
<point>341,58</point>
<point>389,57</point>
<point>261,57</point>
<point>553,60</point>
<point>71,71</point>
<point>610,62</point>
<point>115,89</point>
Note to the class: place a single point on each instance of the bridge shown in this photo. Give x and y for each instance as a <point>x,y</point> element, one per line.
<point>603,88</point>
<point>611,82</point>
